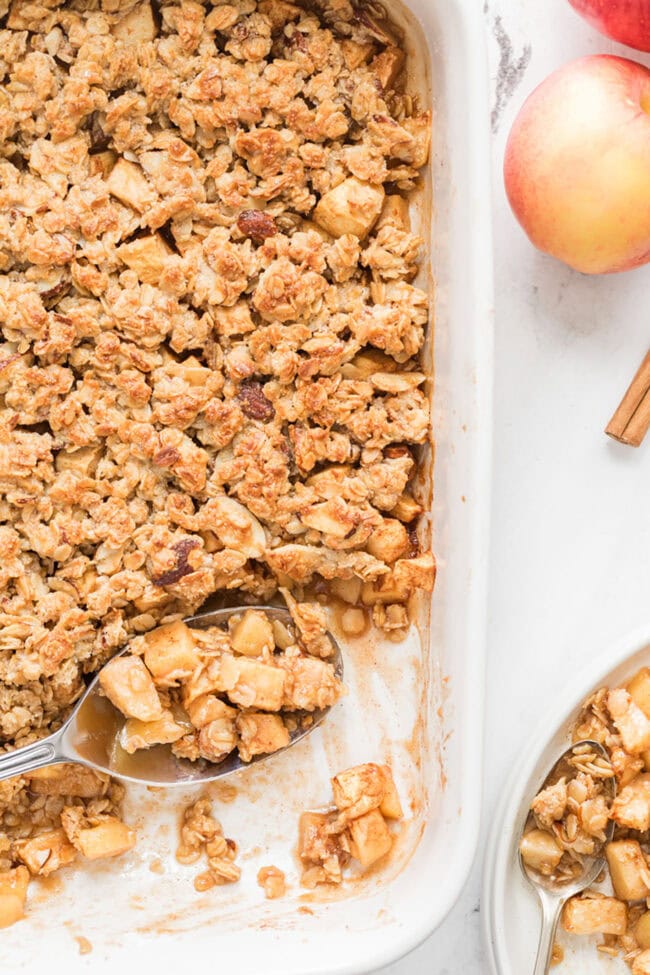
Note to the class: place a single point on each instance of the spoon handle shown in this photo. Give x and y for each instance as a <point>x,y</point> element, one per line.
<point>31,757</point>
<point>551,908</point>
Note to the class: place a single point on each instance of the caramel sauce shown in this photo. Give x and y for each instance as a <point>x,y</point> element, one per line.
<point>97,726</point>
<point>95,737</point>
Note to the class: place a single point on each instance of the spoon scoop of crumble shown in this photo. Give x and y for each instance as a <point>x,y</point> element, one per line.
<point>541,856</point>
<point>97,730</point>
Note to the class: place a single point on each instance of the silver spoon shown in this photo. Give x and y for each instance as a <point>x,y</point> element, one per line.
<point>554,894</point>
<point>89,735</point>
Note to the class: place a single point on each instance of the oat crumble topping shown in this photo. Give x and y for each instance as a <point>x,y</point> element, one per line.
<point>210,338</point>
<point>201,834</point>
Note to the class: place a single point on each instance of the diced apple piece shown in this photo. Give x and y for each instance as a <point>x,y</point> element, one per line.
<point>540,852</point>
<point>260,734</point>
<point>594,816</point>
<point>82,461</point>
<point>138,734</point>
<point>387,65</point>
<point>630,721</point>
<point>595,915</point>
<point>407,509</point>
<point>46,852</point>
<point>359,789</point>
<point>641,964</point>
<point>628,870</point>
<point>13,893</point>
<point>354,53</point>
<point>370,838</point>
<point>205,680</point>
<point>193,372</point>
<point>405,577</point>
<point>67,780</point>
<point>416,574</point>
<point>110,838</point>
<point>128,183</point>
<point>171,653</point>
<point>250,683</point>
<point>395,383</point>
<point>315,843</point>
<point>206,708</point>
<point>252,634</point>
<point>639,690</point>
<point>328,483</point>
<point>353,621</point>
<point>138,27</point>
<point>236,527</point>
<point>631,807</point>
<point>282,635</point>
<point>642,931</point>
<point>386,589</point>
<point>349,590</point>
<point>364,366</point>
<point>352,207</point>
<point>394,213</point>
<point>327,517</point>
<point>101,163</point>
<point>128,685</point>
<point>311,684</point>
<point>146,256</point>
<point>389,541</point>
<point>626,767</point>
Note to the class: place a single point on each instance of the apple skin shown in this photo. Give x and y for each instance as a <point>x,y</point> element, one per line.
<point>626,21</point>
<point>577,165</point>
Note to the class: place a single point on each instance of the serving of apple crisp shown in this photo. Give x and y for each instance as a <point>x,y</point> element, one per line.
<point>209,369</point>
<point>365,797</point>
<point>208,692</point>
<point>570,816</point>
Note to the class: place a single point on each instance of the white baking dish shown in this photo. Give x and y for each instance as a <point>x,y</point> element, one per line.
<point>420,708</point>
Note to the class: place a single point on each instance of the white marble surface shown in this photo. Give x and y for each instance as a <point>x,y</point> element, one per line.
<point>570,521</point>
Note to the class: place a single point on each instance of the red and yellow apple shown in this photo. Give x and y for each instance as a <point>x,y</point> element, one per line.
<point>627,21</point>
<point>577,165</point>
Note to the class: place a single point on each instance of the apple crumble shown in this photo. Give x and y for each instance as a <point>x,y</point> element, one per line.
<point>569,816</point>
<point>210,337</point>
<point>208,692</point>
<point>365,797</point>
<point>572,814</point>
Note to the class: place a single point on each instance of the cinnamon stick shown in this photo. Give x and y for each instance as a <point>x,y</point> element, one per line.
<point>631,420</point>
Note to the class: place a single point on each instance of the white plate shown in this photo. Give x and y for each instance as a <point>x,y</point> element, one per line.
<point>419,707</point>
<point>511,916</point>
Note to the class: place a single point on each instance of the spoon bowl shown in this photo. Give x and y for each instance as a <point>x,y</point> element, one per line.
<point>89,736</point>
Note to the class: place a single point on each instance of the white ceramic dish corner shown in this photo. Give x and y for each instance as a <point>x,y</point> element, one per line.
<point>138,919</point>
<point>511,915</point>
